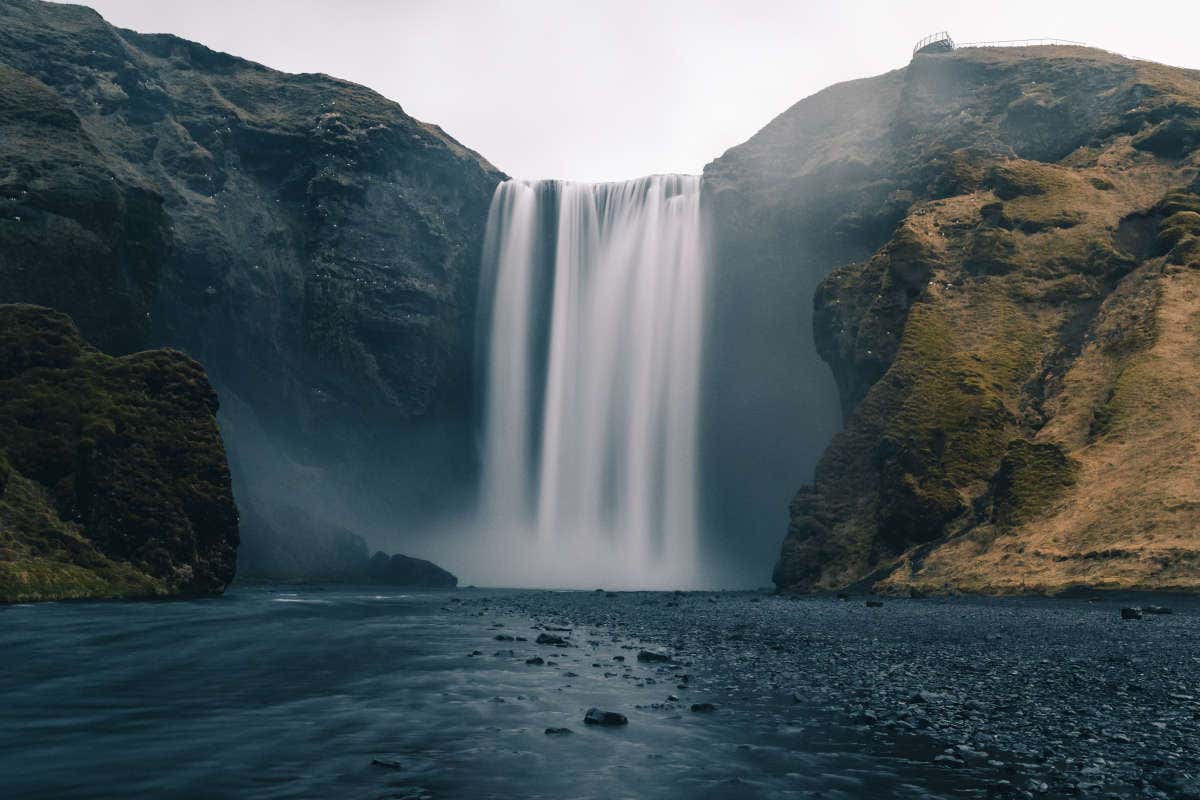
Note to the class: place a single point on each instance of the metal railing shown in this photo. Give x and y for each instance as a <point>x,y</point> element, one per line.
<point>943,37</point>
<point>1025,43</point>
<point>940,36</point>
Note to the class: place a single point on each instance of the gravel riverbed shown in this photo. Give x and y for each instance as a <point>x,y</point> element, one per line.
<point>1035,697</point>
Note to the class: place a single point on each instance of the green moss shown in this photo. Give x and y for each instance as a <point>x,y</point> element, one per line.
<point>115,467</point>
<point>1174,138</point>
<point>946,427</point>
<point>1030,478</point>
<point>992,251</point>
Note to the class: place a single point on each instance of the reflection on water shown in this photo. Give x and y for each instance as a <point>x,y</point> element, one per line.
<point>344,693</point>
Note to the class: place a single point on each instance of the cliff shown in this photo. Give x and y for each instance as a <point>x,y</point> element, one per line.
<point>1016,353</point>
<point>314,246</point>
<point>113,480</point>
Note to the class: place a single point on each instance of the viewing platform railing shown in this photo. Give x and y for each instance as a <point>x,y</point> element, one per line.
<point>939,42</point>
<point>1024,43</point>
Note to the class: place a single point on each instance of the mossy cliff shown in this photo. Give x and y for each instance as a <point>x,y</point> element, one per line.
<point>113,479</point>
<point>313,245</point>
<point>1018,358</point>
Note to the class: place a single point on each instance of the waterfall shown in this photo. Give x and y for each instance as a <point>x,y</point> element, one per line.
<point>591,304</point>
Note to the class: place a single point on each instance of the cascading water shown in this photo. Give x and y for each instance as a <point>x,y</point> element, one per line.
<point>591,305</point>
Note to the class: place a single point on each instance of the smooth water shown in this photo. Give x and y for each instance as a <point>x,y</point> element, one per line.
<point>591,305</point>
<point>295,693</point>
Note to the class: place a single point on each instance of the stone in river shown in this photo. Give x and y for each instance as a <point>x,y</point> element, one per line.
<point>1156,610</point>
<point>558,731</point>
<point>595,716</point>
<point>536,661</point>
<point>1130,613</point>
<point>549,638</point>
<point>650,657</point>
<point>703,707</point>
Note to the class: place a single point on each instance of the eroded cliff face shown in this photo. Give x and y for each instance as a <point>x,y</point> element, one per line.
<point>309,242</point>
<point>113,478</point>
<point>1017,359</point>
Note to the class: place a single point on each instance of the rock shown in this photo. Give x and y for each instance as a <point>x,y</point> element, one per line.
<point>595,716</point>
<point>399,570</point>
<point>703,707</point>
<point>550,638</point>
<point>1156,610</point>
<point>672,698</point>
<point>1131,613</point>
<point>536,661</point>
<point>649,657</point>
<point>502,637</point>
<point>387,763</point>
<point>558,731</point>
<point>113,476</point>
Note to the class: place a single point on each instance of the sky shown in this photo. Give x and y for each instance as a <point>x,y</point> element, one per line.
<point>615,89</point>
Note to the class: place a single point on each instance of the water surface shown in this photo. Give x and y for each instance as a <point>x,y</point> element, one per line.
<point>298,693</point>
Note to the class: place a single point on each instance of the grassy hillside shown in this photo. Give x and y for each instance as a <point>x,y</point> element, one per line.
<point>1017,358</point>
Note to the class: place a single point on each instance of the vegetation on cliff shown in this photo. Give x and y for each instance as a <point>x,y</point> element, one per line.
<point>113,479</point>
<point>310,243</point>
<point>1016,361</point>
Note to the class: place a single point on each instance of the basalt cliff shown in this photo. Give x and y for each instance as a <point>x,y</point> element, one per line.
<point>1016,336</point>
<point>312,245</point>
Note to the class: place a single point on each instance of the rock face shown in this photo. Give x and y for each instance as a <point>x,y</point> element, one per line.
<point>1017,360</point>
<point>309,242</point>
<point>113,479</point>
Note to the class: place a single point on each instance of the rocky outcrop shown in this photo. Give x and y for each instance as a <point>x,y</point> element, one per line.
<point>311,244</point>
<point>113,479</point>
<point>1016,359</point>
<point>399,570</point>
<point>295,545</point>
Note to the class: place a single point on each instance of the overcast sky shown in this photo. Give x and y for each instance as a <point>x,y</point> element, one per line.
<point>614,89</point>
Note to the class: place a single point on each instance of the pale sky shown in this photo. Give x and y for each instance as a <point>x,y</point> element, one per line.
<point>614,89</point>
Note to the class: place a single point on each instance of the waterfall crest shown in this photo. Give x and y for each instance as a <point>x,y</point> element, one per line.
<point>591,305</point>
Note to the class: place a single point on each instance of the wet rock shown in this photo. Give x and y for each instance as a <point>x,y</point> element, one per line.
<point>595,716</point>
<point>1131,613</point>
<point>550,638</point>
<point>502,637</point>
<point>703,708</point>
<point>650,657</point>
<point>1156,610</point>
<point>558,731</point>
<point>536,661</point>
